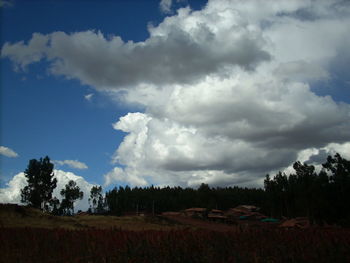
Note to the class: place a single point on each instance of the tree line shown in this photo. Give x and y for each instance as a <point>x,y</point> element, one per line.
<point>156,199</point>
<point>322,196</point>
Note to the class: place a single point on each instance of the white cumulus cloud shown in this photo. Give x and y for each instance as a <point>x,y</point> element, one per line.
<point>234,127</point>
<point>124,176</point>
<point>72,164</point>
<point>165,6</point>
<point>12,193</point>
<point>183,48</point>
<point>7,152</point>
<point>89,96</point>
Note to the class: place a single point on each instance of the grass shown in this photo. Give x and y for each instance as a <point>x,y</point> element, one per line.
<point>14,216</point>
<point>39,245</point>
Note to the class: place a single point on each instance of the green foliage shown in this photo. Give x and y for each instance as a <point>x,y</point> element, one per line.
<point>323,197</point>
<point>38,192</point>
<point>70,194</point>
<point>96,200</point>
<point>126,199</point>
<point>55,206</point>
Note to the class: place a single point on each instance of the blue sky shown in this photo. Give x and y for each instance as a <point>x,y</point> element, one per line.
<point>48,115</point>
<point>172,92</point>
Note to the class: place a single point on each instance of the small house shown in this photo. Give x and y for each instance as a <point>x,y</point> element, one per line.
<point>195,212</point>
<point>243,212</point>
<point>217,215</point>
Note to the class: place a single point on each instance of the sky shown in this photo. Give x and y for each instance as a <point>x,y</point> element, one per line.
<point>171,92</point>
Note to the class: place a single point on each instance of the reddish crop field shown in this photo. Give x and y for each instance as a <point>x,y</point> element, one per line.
<point>250,245</point>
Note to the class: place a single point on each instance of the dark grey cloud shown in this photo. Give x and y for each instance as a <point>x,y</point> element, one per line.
<point>176,55</point>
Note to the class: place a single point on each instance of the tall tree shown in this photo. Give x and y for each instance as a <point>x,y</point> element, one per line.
<point>70,194</point>
<point>38,192</point>
<point>339,169</point>
<point>322,196</point>
<point>55,206</point>
<point>96,199</point>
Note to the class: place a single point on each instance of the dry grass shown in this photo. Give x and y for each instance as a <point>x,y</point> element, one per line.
<point>136,223</point>
<point>20,216</point>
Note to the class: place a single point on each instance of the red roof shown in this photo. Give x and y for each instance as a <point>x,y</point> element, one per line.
<point>216,211</point>
<point>196,209</point>
<point>299,222</point>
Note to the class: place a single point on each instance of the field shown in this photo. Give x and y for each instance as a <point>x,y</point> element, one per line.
<point>23,217</point>
<point>161,240</point>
